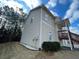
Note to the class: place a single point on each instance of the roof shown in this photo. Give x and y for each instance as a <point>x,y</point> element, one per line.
<point>75,34</point>
<point>44,7</point>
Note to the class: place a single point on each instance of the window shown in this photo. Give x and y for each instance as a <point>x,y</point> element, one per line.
<point>31,20</point>
<point>46,17</point>
<point>50,35</point>
<point>68,42</point>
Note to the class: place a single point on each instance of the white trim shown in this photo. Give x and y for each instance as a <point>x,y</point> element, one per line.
<point>40,30</point>
<point>71,46</point>
<point>29,47</point>
<point>70,41</point>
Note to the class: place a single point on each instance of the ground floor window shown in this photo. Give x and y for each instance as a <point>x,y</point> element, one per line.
<point>50,35</point>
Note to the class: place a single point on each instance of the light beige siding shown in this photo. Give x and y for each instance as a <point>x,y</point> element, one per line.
<point>31,31</point>
<point>38,27</point>
<point>48,25</point>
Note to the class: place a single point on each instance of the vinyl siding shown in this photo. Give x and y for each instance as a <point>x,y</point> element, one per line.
<point>32,30</point>
<point>48,25</point>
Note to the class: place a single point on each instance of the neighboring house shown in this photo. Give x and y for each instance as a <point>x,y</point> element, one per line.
<point>64,40</point>
<point>40,26</point>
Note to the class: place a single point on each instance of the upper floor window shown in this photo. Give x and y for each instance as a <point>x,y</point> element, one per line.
<point>46,17</point>
<point>31,21</point>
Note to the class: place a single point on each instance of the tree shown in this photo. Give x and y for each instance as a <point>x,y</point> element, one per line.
<point>11,30</point>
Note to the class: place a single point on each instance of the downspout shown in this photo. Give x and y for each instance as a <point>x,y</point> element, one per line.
<point>69,36</point>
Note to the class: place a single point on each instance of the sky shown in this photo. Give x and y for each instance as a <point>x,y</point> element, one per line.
<point>62,8</point>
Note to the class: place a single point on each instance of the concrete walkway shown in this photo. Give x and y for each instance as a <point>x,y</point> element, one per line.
<point>14,50</point>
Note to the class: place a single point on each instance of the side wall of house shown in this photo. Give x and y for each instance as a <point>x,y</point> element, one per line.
<point>31,32</point>
<point>49,28</point>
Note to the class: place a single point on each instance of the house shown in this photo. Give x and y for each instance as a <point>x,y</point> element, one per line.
<point>40,26</point>
<point>64,39</point>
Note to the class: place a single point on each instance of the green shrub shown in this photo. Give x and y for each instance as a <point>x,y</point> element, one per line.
<point>51,46</point>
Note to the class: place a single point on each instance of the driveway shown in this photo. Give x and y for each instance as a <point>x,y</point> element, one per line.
<point>14,50</point>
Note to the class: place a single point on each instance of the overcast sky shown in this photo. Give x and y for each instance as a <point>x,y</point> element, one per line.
<point>63,8</point>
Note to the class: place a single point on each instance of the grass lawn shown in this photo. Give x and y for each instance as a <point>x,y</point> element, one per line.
<point>14,50</point>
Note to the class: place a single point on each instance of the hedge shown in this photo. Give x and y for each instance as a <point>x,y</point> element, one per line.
<point>51,46</point>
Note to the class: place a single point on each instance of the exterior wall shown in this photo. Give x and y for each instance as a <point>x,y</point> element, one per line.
<point>76,45</point>
<point>48,27</point>
<point>65,43</point>
<point>39,29</point>
<point>31,32</point>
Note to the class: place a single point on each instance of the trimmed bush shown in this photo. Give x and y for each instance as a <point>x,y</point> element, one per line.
<point>51,46</point>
